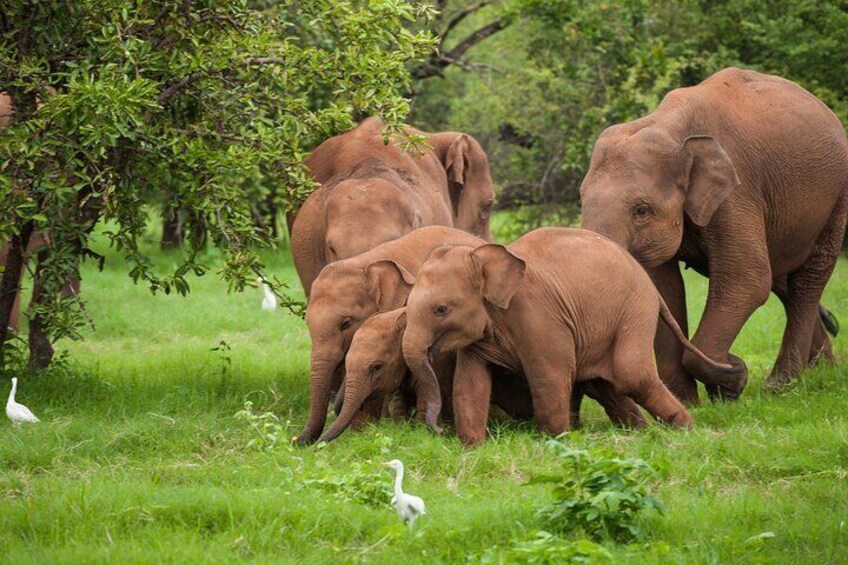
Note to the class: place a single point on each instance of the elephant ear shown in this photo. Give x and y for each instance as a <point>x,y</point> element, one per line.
<point>710,180</point>
<point>467,167</point>
<point>400,321</point>
<point>388,284</point>
<point>500,271</point>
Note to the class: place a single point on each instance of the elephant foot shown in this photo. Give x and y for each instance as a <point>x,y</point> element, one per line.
<point>728,386</point>
<point>430,420</point>
<point>782,375</point>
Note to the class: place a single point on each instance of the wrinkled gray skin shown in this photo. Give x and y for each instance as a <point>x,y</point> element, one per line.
<point>745,179</point>
<point>347,292</point>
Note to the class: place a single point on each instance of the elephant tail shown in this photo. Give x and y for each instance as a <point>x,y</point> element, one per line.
<point>831,323</point>
<point>669,320</point>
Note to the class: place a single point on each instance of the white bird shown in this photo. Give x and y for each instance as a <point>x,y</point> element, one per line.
<point>269,301</point>
<point>18,413</point>
<point>408,506</point>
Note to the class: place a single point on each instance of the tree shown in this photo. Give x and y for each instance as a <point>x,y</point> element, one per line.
<point>544,88</point>
<point>203,102</point>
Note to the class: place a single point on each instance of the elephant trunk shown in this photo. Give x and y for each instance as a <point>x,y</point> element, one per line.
<point>416,351</point>
<point>354,397</point>
<point>607,227</point>
<point>321,377</point>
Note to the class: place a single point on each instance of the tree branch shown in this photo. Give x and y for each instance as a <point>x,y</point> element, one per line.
<point>461,15</point>
<point>439,61</point>
<point>181,84</point>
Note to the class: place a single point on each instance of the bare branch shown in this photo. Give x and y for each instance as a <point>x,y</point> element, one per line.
<point>439,61</point>
<point>461,15</point>
<point>486,31</point>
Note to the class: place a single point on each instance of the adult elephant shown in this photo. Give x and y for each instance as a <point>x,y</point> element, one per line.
<point>744,178</point>
<point>373,192</point>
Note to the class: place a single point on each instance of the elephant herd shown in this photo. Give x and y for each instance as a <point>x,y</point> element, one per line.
<point>411,308</point>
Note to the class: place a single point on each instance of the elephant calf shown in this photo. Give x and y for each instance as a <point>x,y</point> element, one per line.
<point>559,306</point>
<point>347,292</point>
<point>376,374</point>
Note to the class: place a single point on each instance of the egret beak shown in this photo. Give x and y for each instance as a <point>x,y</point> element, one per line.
<point>385,463</point>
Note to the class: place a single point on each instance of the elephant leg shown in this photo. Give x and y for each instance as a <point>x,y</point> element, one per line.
<point>669,350</point>
<point>636,376</point>
<point>806,286</point>
<point>550,367</point>
<point>621,410</point>
<point>740,282</point>
<point>472,391</point>
<point>820,346</point>
<point>577,394</point>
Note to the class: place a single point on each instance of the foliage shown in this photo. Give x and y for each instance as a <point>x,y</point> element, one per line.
<point>210,104</point>
<point>268,432</point>
<point>545,548</point>
<point>359,483</point>
<point>543,89</point>
<point>598,493</point>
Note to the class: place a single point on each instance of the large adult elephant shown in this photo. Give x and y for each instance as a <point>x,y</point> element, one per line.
<point>374,192</point>
<point>744,178</point>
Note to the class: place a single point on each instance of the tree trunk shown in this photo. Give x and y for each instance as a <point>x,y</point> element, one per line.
<point>172,228</point>
<point>11,280</point>
<point>40,349</point>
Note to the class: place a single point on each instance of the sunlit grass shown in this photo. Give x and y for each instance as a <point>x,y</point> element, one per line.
<point>140,457</point>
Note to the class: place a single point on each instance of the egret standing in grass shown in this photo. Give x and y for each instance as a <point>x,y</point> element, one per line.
<point>269,301</point>
<point>18,413</point>
<point>408,506</point>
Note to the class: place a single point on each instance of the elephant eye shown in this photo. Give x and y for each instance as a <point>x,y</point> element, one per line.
<point>376,367</point>
<point>641,210</point>
<point>345,324</point>
<point>486,210</point>
<point>440,310</point>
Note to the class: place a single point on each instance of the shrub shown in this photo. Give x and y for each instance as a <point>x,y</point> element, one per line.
<point>598,493</point>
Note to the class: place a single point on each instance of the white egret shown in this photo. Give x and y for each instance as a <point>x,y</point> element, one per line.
<point>408,506</point>
<point>18,413</point>
<point>269,301</point>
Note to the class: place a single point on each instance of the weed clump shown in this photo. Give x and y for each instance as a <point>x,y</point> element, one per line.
<point>598,493</point>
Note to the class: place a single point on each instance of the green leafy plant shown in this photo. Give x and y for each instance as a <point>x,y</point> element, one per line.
<point>268,432</point>
<point>361,483</point>
<point>598,493</point>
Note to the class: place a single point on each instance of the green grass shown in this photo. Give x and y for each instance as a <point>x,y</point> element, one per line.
<point>140,458</point>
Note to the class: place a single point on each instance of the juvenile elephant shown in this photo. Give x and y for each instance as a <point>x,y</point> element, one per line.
<point>347,292</point>
<point>558,306</point>
<point>744,178</point>
<point>375,372</point>
<point>374,192</point>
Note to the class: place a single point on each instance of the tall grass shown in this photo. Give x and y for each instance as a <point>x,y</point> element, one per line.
<point>140,457</point>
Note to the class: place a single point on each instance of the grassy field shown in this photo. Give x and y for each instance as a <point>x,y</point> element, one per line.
<point>141,458</point>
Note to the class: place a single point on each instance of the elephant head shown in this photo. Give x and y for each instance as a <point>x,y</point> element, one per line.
<point>640,185</point>
<point>376,202</point>
<point>342,298</point>
<point>374,367</point>
<point>469,180</point>
<point>449,308</point>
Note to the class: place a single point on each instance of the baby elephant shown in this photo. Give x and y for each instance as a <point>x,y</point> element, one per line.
<point>376,374</point>
<point>559,306</point>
